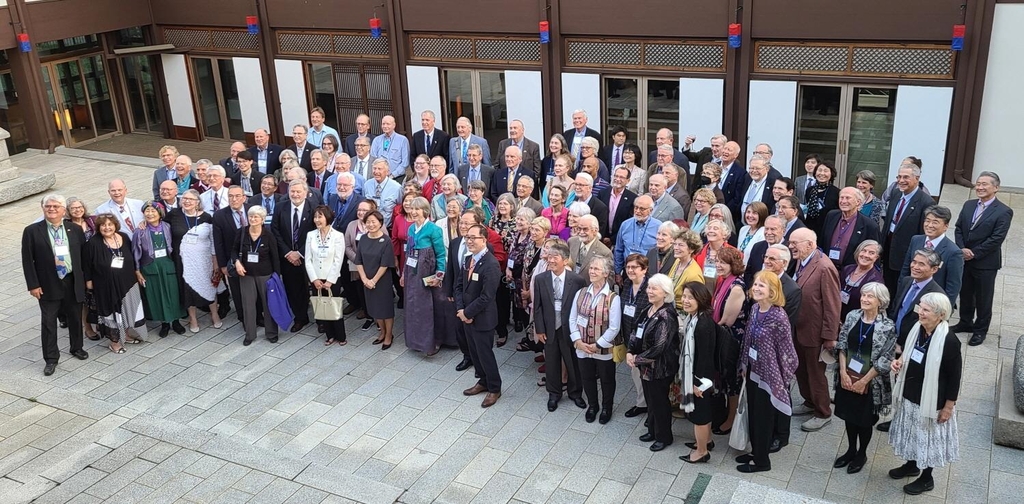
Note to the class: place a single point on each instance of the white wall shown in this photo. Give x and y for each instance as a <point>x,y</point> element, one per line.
<point>581,91</point>
<point>700,111</point>
<point>424,94</point>
<point>523,101</point>
<point>1002,107</point>
<point>179,92</point>
<point>291,85</point>
<point>252,102</point>
<point>920,129</point>
<point>771,119</point>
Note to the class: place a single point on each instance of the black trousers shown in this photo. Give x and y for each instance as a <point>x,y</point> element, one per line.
<point>71,309</point>
<point>558,352</point>
<point>976,296</point>
<point>236,295</point>
<point>396,280</point>
<point>504,300</point>
<point>782,424</point>
<point>481,352</point>
<point>335,328</point>
<point>592,370</point>
<point>891,278</point>
<point>353,289</point>
<point>463,340</point>
<point>761,421</point>
<point>659,411</point>
<point>296,286</point>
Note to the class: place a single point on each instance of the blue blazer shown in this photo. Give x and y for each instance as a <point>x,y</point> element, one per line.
<point>950,274</point>
<point>455,150</point>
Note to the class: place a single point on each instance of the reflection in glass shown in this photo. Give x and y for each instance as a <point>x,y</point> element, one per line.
<point>459,90</point>
<point>493,108</point>
<point>206,87</point>
<point>11,117</point>
<point>141,91</point>
<point>871,123</point>
<point>621,106</point>
<point>817,127</point>
<point>662,111</point>
<point>322,83</point>
<point>229,89</point>
<point>100,100</point>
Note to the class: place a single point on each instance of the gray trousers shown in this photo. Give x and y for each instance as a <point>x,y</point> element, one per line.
<point>251,287</point>
<point>641,402</point>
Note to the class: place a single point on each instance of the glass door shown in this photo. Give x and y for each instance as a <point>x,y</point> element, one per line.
<point>622,106</point>
<point>643,106</point>
<point>217,93</point>
<point>79,95</point>
<point>140,93</point>
<point>480,96</point>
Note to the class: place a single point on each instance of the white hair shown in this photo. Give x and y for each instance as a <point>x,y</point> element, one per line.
<point>665,284</point>
<point>587,177</point>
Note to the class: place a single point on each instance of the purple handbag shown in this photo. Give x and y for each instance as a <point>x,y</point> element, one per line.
<point>277,302</point>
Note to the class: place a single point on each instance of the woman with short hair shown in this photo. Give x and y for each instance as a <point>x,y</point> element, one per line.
<point>257,258</point>
<point>373,258</point>
<point>697,367</point>
<point>195,258</point>
<point>356,229</point>
<point>78,214</point>
<point>514,272</point>
<point>685,244</point>
<point>556,214</point>
<point>717,235</point>
<point>865,269</point>
<point>451,189</point>
<point>110,272</point>
<point>151,248</point>
<point>477,190</point>
<point>872,207</point>
<point>557,146</point>
<point>594,319</point>
<point>658,358</point>
<point>700,213</point>
<point>422,273</point>
<point>822,197</point>
<point>633,158</point>
<point>325,251</point>
<point>634,303</point>
<point>729,310</point>
<point>561,177</point>
<point>661,255</point>
<point>752,231</point>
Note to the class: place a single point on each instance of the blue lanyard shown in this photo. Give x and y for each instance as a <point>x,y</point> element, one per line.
<point>57,234</point>
<point>190,225</point>
<point>862,333</point>
<point>256,246</point>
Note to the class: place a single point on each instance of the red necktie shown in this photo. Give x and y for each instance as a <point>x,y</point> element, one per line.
<point>899,211</point>
<point>929,245</point>
<point>128,219</point>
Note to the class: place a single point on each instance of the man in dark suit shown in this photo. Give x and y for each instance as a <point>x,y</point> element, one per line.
<point>904,219</point>
<point>612,154</point>
<point>292,222</point>
<point>429,140</point>
<point>712,154</point>
<point>733,174</point>
<point>764,150</point>
<point>524,196</point>
<point>51,260</point>
<point>455,266</point>
<point>265,155</point>
<point>458,146</point>
<point>474,169</point>
<point>267,198</point>
<point>951,272</point>
<point>344,202</point>
<point>662,158</point>
<point>528,149</point>
<point>301,147</point>
<point>776,259</point>
<point>664,136</point>
<point>477,309</point>
<point>503,181</point>
<point>362,131</point>
<point>788,208</point>
<point>846,228</point>
<point>620,203</point>
<point>317,177</point>
<point>757,186</point>
<point>244,176</point>
<point>585,194</point>
<point>555,290</point>
<point>226,224</point>
<point>574,136</point>
<point>230,163</point>
<point>921,281</point>
<point>981,229</point>
<point>675,177</point>
<point>774,230</point>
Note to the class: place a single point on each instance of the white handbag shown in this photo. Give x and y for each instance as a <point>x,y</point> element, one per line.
<point>327,307</point>
<point>740,436</point>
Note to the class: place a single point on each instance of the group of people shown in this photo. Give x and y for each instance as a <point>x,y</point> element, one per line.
<point>713,287</point>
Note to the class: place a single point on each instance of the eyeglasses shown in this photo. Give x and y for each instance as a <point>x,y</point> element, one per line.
<point>474,237</point>
<point>643,209</point>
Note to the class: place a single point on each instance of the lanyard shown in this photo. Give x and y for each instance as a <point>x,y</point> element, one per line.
<point>190,225</point>
<point>842,231</point>
<point>862,333</point>
<point>256,246</point>
<point>57,234</point>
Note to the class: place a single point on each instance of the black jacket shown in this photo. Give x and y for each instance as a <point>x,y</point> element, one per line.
<point>37,260</point>
<point>475,294</point>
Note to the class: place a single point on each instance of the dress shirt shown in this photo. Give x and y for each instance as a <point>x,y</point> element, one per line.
<point>803,264</point>
<point>473,174</point>
<point>613,205</point>
<point>607,338</point>
<point>317,137</point>
<point>634,238</point>
<point>387,194</point>
<point>934,242</point>
<point>840,238</point>
<point>904,201</point>
<point>361,167</point>
<point>395,149</point>
<point>754,193</point>
<point>558,289</point>
<point>261,159</point>
<point>725,175</point>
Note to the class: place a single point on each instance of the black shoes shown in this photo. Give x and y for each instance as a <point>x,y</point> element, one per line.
<point>349,310</point>
<point>693,445</point>
<point>579,402</point>
<point>177,327</point>
<point>165,329</point>
<point>919,486</point>
<point>961,327</point>
<point>553,401</point>
<point>777,445</point>
<point>464,365</point>
<point>647,437</point>
<point>702,460</point>
<point>368,324</point>
<point>657,446</point>
<point>591,414</point>
<point>518,326</point>
<point>49,369</point>
<point>904,471</point>
<point>844,460</point>
<point>246,342</point>
<point>606,416</point>
<point>719,432</point>
<point>751,468</point>
<point>856,464</point>
<point>80,354</point>
<point>976,339</point>
<point>746,458</point>
<point>272,340</point>
<point>883,427</point>
<point>635,411</point>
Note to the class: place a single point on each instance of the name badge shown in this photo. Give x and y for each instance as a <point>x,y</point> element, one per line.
<point>558,305</point>
<point>629,310</point>
<point>892,227</point>
<point>160,252</point>
<point>323,252</point>
<point>412,261</point>
<point>61,250</point>
<point>252,257</point>
<point>581,321</point>
<point>511,263</point>
<point>844,297</point>
<point>474,277</point>
<point>710,271</point>
<point>639,332</point>
<point>191,239</point>
<point>855,365</point>
<point>917,355</point>
<point>833,254</point>
<point>752,353</point>
<point>359,235</point>
<point>117,262</point>
<point>268,220</point>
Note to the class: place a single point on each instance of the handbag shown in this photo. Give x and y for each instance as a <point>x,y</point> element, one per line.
<point>619,353</point>
<point>277,302</point>
<point>740,436</point>
<point>327,307</point>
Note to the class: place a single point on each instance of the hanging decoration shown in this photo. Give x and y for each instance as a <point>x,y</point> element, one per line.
<point>734,35</point>
<point>375,26</point>
<point>958,37</point>
<point>252,23</point>
<point>23,43</point>
<point>545,32</point>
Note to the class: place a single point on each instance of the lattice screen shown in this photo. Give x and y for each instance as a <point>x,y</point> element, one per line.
<point>917,61</point>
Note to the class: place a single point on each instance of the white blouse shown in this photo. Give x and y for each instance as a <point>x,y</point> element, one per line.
<point>323,258</point>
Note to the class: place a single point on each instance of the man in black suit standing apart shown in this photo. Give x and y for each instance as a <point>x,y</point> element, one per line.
<point>266,155</point>
<point>904,219</point>
<point>711,154</point>
<point>226,223</point>
<point>292,222</point>
<point>575,135</point>
<point>301,147</point>
<point>980,232</point>
<point>845,228</point>
<point>51,259</point>
<point>555,290</point>
<point>476,307</point>
<point>619,201</point>
<point>429,140</point>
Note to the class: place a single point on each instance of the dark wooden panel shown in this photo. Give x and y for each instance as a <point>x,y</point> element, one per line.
<point>71,18</point>
<point>202,12</point>
<point>186,133</point>
<point>7,39</point>
<point>475,16</point>
<point>909,20</point>
<point>652,18</point>
<point>325,14</point>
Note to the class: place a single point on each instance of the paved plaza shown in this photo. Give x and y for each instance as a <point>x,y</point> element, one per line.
<point>201,418</point>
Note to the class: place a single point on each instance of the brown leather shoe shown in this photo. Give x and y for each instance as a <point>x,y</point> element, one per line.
<point>474,390</point>
<point>490,399</point>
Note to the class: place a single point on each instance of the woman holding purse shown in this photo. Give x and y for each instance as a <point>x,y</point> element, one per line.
<point>325,250</point>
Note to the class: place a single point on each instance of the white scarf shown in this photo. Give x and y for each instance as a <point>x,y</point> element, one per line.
<point>690,323</point>
<point>930,386</point>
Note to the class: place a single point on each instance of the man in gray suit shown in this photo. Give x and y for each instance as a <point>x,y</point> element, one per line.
<point>586,245</point>
<point>951,271</point>
<point>666,207</point>
<point>474,169</point>
<point>458,146</point>
<point>554,291</point>
<point>524,196</point>
<point>529,148</point>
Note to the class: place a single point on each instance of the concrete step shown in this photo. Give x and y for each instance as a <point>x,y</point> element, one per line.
<point>25,185</point>
<point>8,172</point>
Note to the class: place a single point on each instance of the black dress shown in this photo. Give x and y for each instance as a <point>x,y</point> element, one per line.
<point>372,253</point>
<point>857,409</point>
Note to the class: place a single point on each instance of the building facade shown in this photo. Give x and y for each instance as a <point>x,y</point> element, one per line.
<point>864,83</point>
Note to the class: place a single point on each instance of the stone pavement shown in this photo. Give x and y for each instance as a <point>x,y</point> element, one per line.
<point>201,418</point>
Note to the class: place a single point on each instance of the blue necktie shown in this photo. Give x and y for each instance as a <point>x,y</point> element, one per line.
<point>58,240</point>
<point>907,303</point>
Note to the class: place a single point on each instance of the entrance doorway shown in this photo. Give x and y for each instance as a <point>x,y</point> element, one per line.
<point>217,94</point>
<point>642,105</point>
<point>480,96</point>
<point>79,94</point>
<point>848,123</point>
<point>140,93</point>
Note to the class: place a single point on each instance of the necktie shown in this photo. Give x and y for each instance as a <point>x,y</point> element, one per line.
<point>58,240</point>
<point>316,183</point>
<point>472,264</point>
<point>387,143</point>
<point>618,156</point>
<point>298,153</point>
<point>246,186</point>
<point>511,180</point>
<point>465,147</point>
<point>380,188</point>
<point>127,219</point>
<point>427,145</point>
<point>295,228</point>
<point>557,284</point>
<point>899,211</point>
<point>362,168</point>
<point>810,182</point>
<point>907,303</point>
<point>929,245</point>
<point>238,219</point>
<point>977,213</point>
<point>750,195</point>
<point>579,260</point>
<point>216,201</point>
